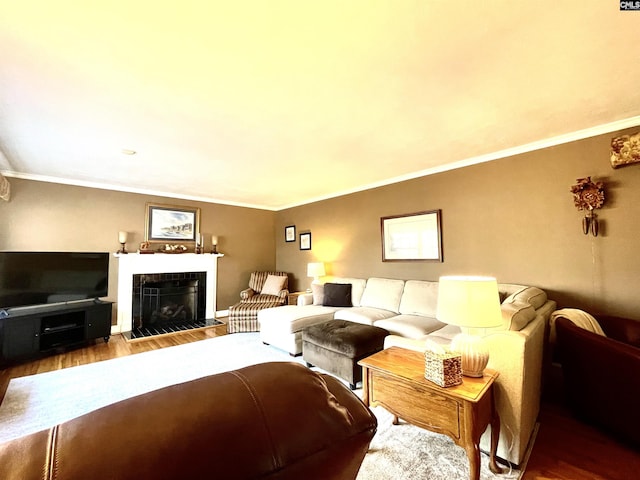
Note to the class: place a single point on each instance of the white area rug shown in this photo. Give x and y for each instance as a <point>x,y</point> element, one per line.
<point>40,401</point>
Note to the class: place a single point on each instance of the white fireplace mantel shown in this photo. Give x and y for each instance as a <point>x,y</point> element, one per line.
<point>138,264</point>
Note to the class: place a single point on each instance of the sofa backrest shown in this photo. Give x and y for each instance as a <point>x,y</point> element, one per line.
<point>357,287</point>
<point>384,293</point>
<point>419,298</point>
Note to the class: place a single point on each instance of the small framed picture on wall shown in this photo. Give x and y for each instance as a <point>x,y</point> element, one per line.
<point>305,241</point>
<point>290,233</point>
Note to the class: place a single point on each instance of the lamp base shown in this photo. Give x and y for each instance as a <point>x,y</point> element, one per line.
<point>474,352</point>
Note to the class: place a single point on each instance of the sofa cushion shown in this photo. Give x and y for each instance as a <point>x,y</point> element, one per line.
<point>419,298</point>
<point>273,285</point>
<point>290,319</point>
<point>364,315</point>
<point>337,295</point>
<point>410,326</point>
<point>317,290</point>
<point>357,288</point>
<point>384,293</point>
<point>531,295</point>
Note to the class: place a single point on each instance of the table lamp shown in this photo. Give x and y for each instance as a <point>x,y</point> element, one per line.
<point>472,303</point>
<point>315,270</point>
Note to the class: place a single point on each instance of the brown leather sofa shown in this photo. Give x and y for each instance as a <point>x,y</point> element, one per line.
<point>601,374</point>
<point>270,421</point>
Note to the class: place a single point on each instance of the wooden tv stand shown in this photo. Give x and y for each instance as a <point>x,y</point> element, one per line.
<point>30,333</point>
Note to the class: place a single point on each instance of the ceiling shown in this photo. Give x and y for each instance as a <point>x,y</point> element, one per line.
<point>271,104</point>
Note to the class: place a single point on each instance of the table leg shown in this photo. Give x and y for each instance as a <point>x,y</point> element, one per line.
<point>365,386</point>
<point>495,435</point>
<point>473,454</point>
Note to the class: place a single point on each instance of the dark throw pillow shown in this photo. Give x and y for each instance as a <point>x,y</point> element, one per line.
<point>337,295</point>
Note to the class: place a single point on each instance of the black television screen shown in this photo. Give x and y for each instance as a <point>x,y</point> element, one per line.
<point>36,278</point>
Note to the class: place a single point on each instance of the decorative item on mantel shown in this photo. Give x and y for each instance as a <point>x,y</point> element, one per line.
<point>170,248</point>
<point>145,247</point>
<point>588,195</point>
<point>625,150</point>
<point>199,243</point>
<point>214,244</point>
<point>122,238</point>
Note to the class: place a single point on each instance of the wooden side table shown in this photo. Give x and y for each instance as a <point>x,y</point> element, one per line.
<point>394,379</point>
<point>292,298</point>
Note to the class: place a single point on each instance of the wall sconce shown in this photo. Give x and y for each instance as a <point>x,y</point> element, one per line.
<point>214,244</point>
<point>122,238</point>
<point>588,195</point>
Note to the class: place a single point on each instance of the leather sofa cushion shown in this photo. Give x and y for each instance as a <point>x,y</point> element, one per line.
<point>275,420</point>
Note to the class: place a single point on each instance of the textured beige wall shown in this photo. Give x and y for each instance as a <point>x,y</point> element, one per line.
<point>48,216</point>
<point>512,218</point>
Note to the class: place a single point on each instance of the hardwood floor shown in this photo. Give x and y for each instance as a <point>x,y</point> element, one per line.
<point>565,449</point>
<point>568,449</point>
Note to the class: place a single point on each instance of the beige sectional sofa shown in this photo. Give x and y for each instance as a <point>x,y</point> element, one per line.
<point>407,309</point>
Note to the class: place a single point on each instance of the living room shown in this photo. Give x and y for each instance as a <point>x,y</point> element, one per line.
<point>498,163</point>
<point>512,218</point>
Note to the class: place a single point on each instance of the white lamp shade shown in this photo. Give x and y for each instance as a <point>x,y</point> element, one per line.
<point>214,240</point>
<point>315,269</point>
<point>122,237</point>
<point>471,302</point>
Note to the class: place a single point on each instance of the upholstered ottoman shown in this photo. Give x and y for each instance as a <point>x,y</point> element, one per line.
<point>337,345</point>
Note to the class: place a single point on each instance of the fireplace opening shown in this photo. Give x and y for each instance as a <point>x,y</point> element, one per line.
<point>168,303</point>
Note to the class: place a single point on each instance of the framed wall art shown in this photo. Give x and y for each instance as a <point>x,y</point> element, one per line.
<point>412,237</point>
<point>171,223</point>
<point>305,241</point>
<point>290,233</point>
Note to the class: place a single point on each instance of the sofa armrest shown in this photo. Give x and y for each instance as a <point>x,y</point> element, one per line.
<point>305,299</point>
<point>624,330</point>
<point>284,295</point>
<point>247,293</point>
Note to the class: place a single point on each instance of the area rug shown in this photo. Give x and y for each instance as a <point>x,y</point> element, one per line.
<point>40,401</point>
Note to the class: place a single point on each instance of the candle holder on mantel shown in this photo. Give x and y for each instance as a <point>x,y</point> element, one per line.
<point>199,244</point>
<point>214,244</point>
<point>122,238</point>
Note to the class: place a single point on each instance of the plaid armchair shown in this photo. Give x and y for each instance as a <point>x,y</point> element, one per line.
<point>261,294</point>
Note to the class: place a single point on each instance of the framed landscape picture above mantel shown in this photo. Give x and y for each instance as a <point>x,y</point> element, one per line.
<point>412,237</point>
<point>171,223</point>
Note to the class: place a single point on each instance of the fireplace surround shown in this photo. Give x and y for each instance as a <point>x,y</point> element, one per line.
<point>158,268</point>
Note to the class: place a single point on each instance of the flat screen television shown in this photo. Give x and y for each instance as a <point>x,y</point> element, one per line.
<point>40,278</point>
